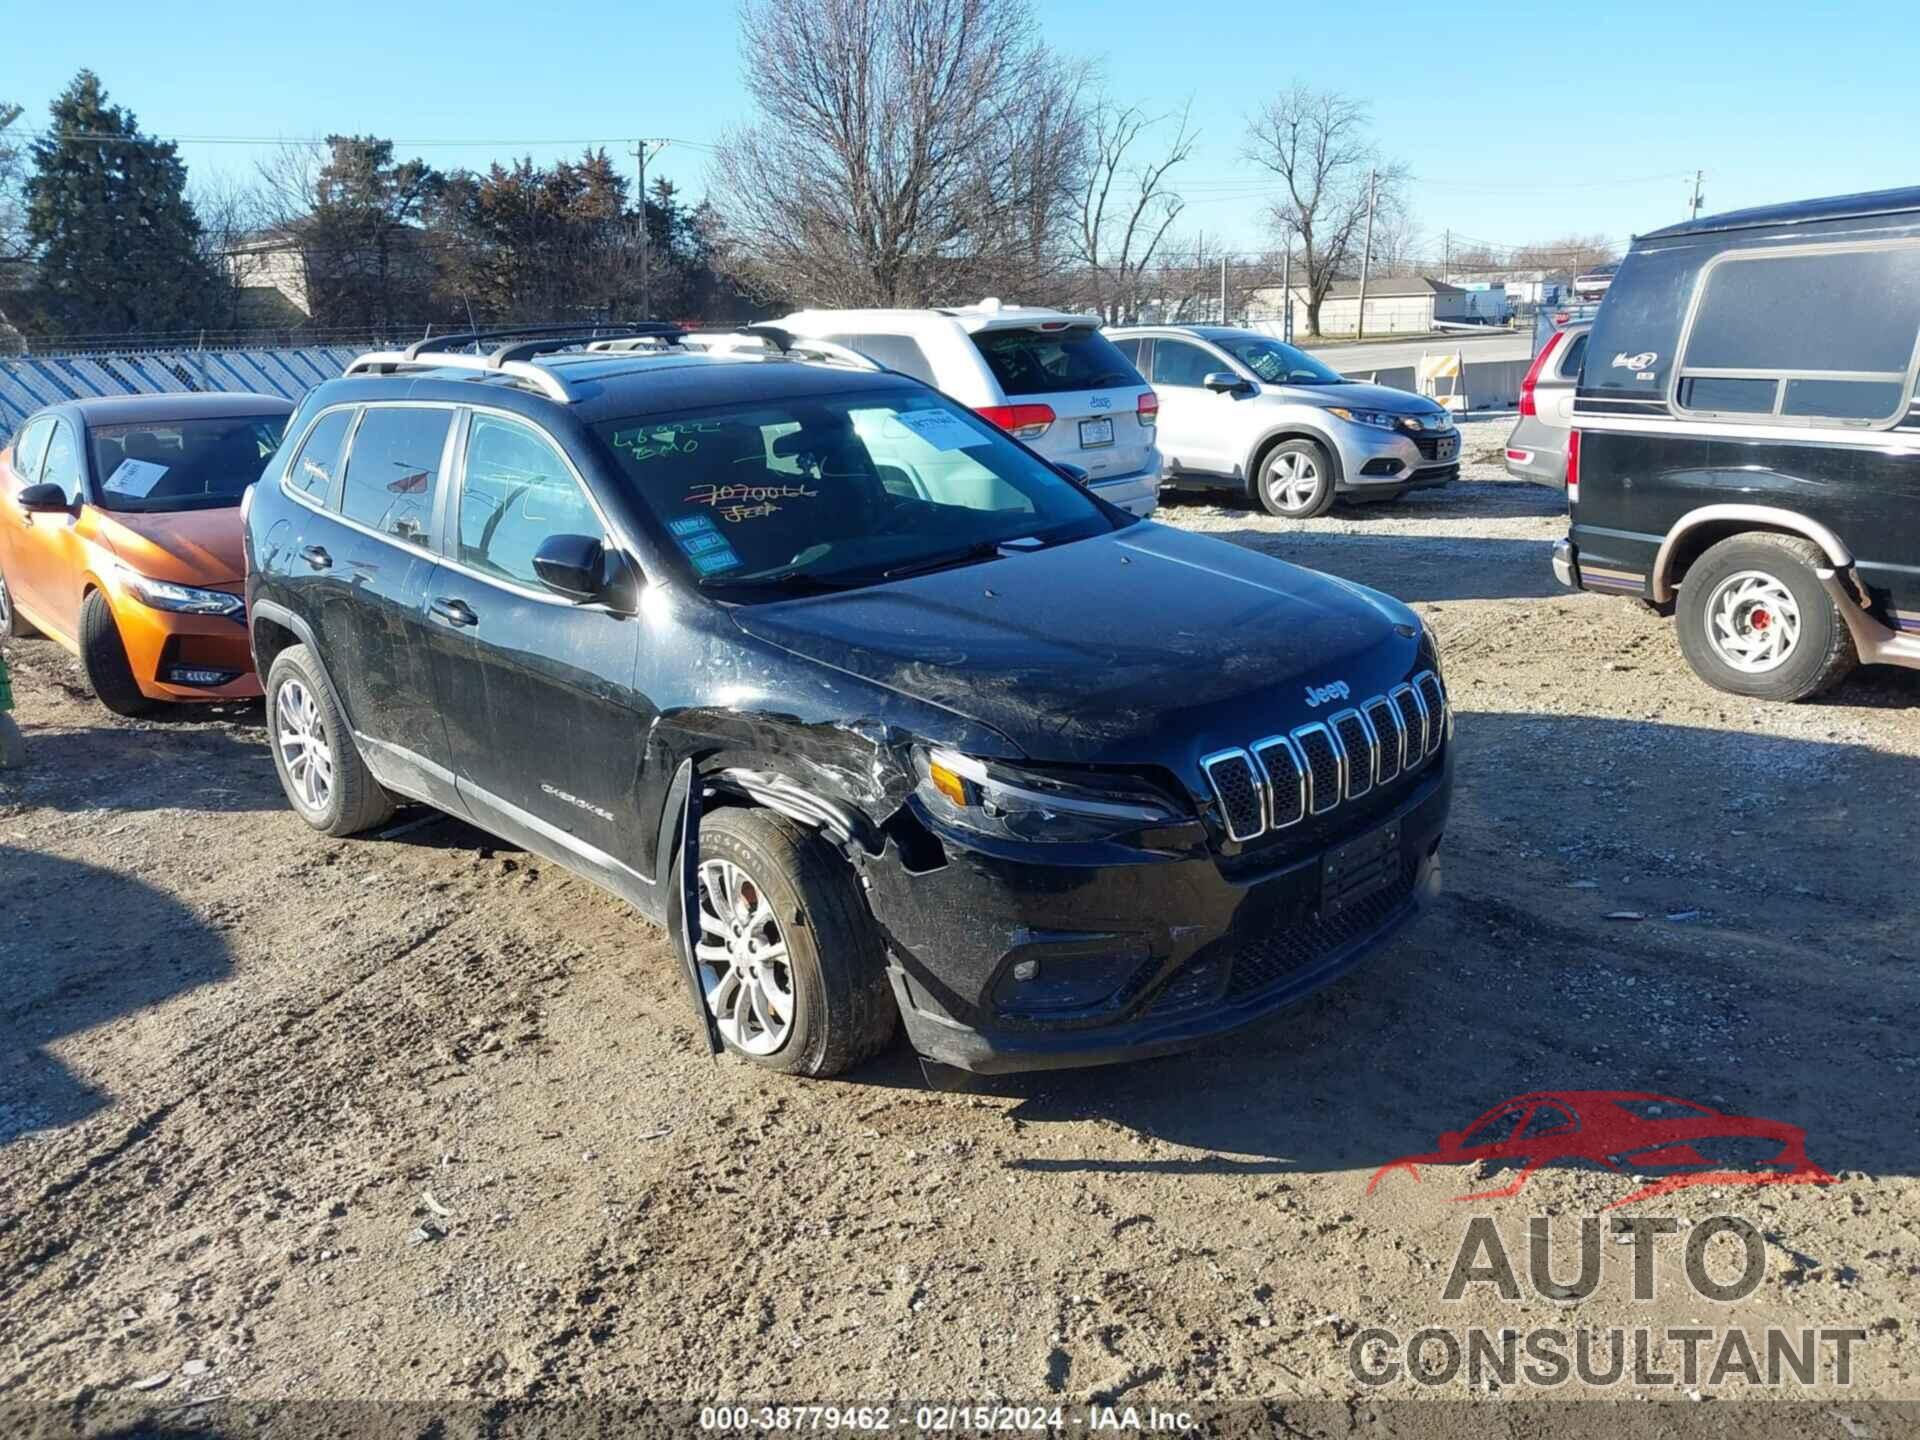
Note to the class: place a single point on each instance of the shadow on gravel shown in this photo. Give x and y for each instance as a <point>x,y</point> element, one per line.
<point>80,946</point>
<point>1720,916</point>
<point>110,767</point>
<point>1462,500</point>
<point>1412,568</point>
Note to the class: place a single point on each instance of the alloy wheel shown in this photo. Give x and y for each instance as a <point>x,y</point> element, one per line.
<point>743,960</point>
<point>1753,622</point>
<point>6,607</point>
<point>305,749</point>
<point>1293,480</point>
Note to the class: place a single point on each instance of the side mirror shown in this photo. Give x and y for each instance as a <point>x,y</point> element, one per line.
<point>579,567</point>
<point>1072,472</point>
<point>1225,381</point>
<point>45,499</point>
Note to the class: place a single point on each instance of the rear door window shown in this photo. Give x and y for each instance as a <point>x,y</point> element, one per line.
<point>1050,362</point>
<point>896,352</point>
<point>1805,334</point>
<point>312,474</point>
<point>392,468</point>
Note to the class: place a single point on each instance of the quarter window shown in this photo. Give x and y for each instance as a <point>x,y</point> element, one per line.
<point>896,352</point>
<point>391,470</point>
<point>517,492</point>
<point>1804,335</point>
<point>319,460</point>
<point>1177,363</point>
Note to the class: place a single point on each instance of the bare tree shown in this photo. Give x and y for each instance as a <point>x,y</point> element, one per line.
<point>1317,142</point>
<point>1396,238</point>
<point>1570,253</point>
<point>13,175</point>
<point>1127,204</point>
<point>897,157</point>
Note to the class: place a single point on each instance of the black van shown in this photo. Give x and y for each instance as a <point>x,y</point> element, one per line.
<point>1746,452</point>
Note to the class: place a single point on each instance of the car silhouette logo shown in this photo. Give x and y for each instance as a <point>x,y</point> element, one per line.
<point>1631,1132</point>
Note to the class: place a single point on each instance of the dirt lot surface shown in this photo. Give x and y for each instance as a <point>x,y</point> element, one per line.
<point>424,1116</point>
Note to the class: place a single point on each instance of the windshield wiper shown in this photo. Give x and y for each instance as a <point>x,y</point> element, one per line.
<point>984,550</point>
<point>790,582</point>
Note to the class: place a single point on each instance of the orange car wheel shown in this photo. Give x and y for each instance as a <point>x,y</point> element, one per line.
<point>104,658</point>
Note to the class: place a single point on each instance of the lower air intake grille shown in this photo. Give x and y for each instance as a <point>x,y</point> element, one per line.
<point>1264,962</point>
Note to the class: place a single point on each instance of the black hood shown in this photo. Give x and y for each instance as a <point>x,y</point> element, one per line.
<point>1147,646</point>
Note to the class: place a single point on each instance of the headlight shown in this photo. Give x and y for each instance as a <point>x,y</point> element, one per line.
<point>1377,419</point>
<point>1011,802</point>
<point>184,599</point>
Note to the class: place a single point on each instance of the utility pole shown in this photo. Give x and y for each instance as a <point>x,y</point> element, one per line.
<point>1286,289</point>
<point>1366,262</point>
<point>640,156</point>
<point>1698,176</point>
<point>1223,290</point>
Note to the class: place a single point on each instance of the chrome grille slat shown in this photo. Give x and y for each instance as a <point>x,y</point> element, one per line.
<point>1283,779</point>
<point>1286,777</point>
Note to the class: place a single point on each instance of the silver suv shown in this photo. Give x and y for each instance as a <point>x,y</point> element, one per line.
<point>1240,408</point>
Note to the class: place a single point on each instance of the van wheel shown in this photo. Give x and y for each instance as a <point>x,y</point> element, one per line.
<point>319,766</point>
<point>790,961</point>
<point>12,622</point>
<point>104,660</point>
<point>1755,620</point>
<point>1296,480</point>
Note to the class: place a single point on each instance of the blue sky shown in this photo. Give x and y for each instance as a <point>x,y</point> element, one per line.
<point>1521,123</point>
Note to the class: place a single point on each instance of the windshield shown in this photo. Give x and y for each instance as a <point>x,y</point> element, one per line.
<point>158,465</point>
<point>1047,362</point>
<point>841,490</point>
<point>1279,364</point>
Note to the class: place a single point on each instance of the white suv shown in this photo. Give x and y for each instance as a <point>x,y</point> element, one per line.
<point>1047,377</point>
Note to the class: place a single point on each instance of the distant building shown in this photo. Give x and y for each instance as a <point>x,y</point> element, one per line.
<point>271,273</point>
<point>1397,305</point>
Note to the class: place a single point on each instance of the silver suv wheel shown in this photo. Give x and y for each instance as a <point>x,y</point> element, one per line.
<point>1293,480</point>
<point>1753,622</point>
<point>743,960</point>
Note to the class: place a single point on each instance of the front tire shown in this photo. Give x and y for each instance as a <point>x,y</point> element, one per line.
<point>1755,620</point>
<point>1296,480</point>
<point>790,961</point>
<point>103,656</point>
<point>319,766</point>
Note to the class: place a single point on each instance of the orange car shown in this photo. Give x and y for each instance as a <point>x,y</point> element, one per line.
<point>120,538</point>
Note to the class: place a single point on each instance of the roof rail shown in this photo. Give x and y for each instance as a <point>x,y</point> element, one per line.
<point>801,347</point>
<point>511,360</point>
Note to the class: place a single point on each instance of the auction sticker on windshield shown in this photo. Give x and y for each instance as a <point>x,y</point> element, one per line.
<point>942,429</point>
<point>135,477</point>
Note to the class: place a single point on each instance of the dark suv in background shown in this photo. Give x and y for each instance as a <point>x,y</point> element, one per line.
<point>883,715</point>
<point>1746,451</point>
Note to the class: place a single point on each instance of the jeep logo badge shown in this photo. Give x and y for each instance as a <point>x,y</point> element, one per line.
<point>1318,695</point>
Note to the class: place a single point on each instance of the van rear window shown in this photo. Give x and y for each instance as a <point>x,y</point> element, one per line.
<point>1046,362</point>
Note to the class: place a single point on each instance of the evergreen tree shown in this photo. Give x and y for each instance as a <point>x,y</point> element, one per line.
<point>115,241</point>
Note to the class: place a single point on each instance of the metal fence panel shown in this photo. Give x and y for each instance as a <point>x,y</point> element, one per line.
<point>28,382</point>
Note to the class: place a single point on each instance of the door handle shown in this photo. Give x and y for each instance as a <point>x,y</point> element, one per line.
<point>454,612</point>
<point>317,557</point>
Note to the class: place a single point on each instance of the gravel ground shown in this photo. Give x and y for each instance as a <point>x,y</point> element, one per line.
<point>422,1116</point>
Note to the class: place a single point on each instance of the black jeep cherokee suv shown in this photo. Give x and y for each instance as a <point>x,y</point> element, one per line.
<point>907,720</point>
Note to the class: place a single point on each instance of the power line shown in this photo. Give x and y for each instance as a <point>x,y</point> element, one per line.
<point>89,137</point>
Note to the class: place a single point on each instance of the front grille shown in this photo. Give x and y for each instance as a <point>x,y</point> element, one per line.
<point>1357,744</point>
<point>1429,446</point>
<point>1312,770</point>
<point>1239,791</point>
<point>1265,961</point>
<point>1385,721</point>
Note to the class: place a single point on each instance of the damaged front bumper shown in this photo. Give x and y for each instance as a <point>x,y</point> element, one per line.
<point>1023,959</point>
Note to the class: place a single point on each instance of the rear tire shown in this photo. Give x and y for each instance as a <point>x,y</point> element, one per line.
<point>327,783</point>
<point>1295,481</point>
<point>103,657</point>
<point>1755,620</point>
<point>12,622</point>
<point>831,980</point>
